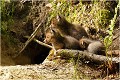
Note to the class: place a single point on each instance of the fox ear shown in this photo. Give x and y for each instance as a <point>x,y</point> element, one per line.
<point>52,30</point>
<point>58,17</point>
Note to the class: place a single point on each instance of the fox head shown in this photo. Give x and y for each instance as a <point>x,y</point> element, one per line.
<point>51,36</point>
<point>83,43</point>
<point>59,20</point>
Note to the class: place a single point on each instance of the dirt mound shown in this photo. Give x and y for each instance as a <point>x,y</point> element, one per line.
<point>26,18</point>
<point>46,70</point>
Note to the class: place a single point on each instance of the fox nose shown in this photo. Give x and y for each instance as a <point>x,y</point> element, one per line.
<point>44,41</point>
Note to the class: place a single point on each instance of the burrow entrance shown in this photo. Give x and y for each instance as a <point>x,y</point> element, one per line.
<point>34,53</point>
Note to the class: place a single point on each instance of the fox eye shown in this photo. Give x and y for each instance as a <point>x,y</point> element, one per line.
<point>47,36</point>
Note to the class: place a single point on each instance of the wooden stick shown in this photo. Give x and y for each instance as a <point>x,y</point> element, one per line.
<point>41,43</point>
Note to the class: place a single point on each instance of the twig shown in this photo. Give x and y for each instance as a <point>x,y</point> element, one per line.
<point>41,43</point>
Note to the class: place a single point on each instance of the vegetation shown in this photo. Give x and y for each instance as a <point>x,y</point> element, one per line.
<point>108,39</point>
<point>7,10</point>
<point>94,14</point>
<point>7,21</point>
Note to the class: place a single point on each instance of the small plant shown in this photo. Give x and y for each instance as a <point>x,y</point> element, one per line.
<point>108,39</point>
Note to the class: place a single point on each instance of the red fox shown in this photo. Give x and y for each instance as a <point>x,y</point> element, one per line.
<point>92,46</point>
<point>61,42</point>
<point>67,28</point>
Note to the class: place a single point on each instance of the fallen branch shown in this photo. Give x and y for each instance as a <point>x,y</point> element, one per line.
<point>83,54</point>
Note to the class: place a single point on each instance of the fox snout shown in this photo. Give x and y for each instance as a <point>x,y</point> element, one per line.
<point>45,41</point>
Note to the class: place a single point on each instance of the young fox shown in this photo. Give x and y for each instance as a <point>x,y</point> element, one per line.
<point>67,28</point>
<point>92,46</point>
<point>61,42</point>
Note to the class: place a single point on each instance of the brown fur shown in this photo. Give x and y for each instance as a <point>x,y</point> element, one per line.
<point>61,42</point>
<point>92,46</point>
<point>67,28</point>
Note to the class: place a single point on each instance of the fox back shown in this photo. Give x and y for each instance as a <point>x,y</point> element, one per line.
<point>67,28</point>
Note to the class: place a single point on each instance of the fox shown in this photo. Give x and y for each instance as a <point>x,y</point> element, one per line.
<point>92,46</point>
<point>67,28</point>
<point>60,41</point>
